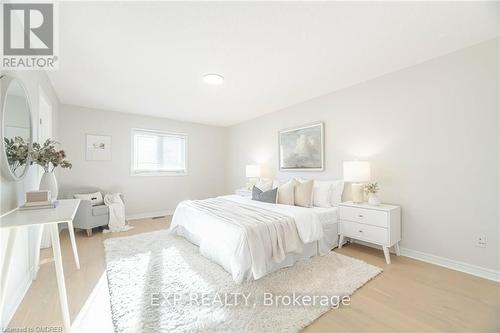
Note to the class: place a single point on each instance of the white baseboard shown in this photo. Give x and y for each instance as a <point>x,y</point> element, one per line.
<point>460,266</point>
<point>482,272</point>
<point>150,214</point>
<point>485,273</point>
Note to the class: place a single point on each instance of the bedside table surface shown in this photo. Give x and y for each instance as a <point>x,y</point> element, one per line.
<point>243,192</point>
<point>364,205</point>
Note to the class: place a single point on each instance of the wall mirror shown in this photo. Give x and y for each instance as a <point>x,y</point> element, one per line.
<point>16,129</point>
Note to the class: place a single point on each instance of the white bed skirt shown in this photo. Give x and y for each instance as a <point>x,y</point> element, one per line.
<point>330,238</point>
<point>318,248</point>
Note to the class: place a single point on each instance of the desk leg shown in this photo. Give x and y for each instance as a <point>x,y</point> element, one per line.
<point>56,248</point>
<point>38,244</point>
<point>71,231</point>
<point>11,238</point>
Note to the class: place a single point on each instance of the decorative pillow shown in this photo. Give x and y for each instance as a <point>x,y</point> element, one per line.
<point>338,189</point>
<point>303,193</point>
<point>264,184</point>
<point>94,198</point>
<point>286,195</point>
<point>267,196</point>
<point>322,194</point>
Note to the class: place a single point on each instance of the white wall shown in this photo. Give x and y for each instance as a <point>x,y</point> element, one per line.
<point>12,195</point>
<point>431,132</point>
<point>143,194</point>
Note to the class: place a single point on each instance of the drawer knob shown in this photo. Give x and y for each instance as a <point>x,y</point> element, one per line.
<point>360,230</point>
<point>360,215</point>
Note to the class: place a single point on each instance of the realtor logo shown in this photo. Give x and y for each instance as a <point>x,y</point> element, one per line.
<point>29,36</point>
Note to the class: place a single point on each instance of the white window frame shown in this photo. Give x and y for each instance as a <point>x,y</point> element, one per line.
<point>148,173</point>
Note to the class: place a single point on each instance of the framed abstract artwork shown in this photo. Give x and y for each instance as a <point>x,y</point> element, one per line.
<point>302,148</point>
<point>98,147</point>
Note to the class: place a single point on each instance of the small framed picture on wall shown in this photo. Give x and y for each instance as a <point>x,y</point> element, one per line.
<point>98,147</point>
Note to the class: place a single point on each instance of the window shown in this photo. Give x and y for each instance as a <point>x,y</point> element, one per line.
<point>158,153</point>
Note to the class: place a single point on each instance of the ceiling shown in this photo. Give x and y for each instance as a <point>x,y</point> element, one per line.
<point>149,57</point>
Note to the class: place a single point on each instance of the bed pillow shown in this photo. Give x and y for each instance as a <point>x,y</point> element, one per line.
<point>264,196</point>
<point>303,193</point>
<point>264,184</point>
<point>94,198</point>
<point>286,193</point>
<point>322,194</point>
<point>338,189</point>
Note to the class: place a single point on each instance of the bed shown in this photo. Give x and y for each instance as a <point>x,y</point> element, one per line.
<point>250,239</point>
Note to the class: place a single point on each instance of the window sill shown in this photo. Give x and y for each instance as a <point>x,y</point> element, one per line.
<point>158,174</point>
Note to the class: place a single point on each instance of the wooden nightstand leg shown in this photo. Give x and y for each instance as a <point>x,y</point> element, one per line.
<point>341,241</point>
<point>397,249</point>
<point>387,255</point>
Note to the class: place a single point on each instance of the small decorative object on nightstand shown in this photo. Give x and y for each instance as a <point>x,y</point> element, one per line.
<point>371,190</point>
<point>243,192</point>
<point>379,225</point>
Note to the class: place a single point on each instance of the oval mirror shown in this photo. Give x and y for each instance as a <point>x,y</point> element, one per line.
<point>16,129</point>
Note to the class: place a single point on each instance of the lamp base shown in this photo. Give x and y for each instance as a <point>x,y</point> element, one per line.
<point>357,193</point>
<point>251,183</point>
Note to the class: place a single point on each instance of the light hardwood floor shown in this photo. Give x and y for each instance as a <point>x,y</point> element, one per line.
<point>409,296</point>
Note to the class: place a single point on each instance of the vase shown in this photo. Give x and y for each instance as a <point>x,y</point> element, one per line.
<point>373,199</point>
<point>49,183</point>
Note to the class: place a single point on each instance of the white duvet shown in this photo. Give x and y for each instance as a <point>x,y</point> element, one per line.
<point>234,249</point>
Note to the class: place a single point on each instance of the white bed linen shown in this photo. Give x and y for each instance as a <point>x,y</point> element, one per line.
<point>268,235</point>
<point>327,215</point>
<point>329,218</point>
<point>225,244</point>
<point>307,222</point>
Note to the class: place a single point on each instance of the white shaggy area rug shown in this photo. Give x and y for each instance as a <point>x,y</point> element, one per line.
<point>160,283</point>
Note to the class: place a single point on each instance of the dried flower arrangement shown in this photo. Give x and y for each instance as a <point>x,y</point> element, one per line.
<point>48,157</point>
<point>371,188</point>
<point>17,152</point>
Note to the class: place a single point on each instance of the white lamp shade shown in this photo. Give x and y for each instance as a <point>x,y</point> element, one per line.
<point>357,171</point>
<point>253,171</point>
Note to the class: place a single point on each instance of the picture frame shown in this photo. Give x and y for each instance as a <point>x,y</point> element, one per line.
<point>302,148</point>
<point>98,147</point>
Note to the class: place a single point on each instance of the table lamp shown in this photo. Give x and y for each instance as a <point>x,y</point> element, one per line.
<point>253,172</point>
<point>357,172</point>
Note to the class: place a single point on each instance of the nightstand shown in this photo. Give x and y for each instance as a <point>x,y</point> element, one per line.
<point>243,192</point>
<point>379,225</point>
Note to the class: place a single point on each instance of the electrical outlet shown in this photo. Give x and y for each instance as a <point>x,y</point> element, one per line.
<point>480,240</point>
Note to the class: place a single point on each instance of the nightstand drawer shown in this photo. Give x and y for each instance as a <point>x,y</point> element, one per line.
<point>367,216</point>
<point>364,232</point>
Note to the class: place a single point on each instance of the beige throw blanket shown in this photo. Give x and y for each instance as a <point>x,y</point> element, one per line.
<point>116,208</point>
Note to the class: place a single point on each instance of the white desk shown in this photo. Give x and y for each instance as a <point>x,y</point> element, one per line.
<point>63,213</point>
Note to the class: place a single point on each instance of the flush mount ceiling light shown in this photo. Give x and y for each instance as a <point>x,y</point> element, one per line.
<point>213,79</point>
